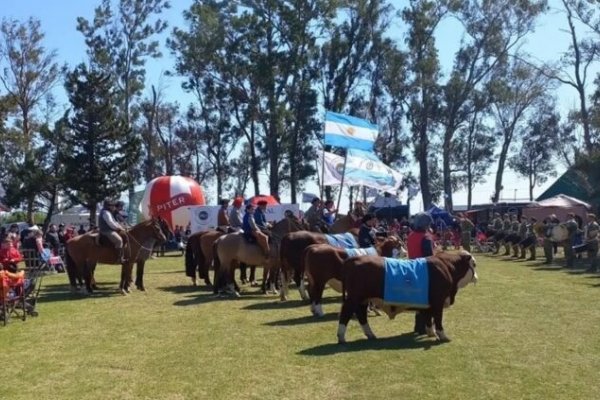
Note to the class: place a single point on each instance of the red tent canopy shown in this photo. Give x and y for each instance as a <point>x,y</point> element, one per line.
<point>271,201</point>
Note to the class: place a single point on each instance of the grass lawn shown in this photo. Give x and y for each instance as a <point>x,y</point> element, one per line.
<point>523,332</point>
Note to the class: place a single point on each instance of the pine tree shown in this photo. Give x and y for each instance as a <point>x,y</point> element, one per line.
<point>98,149</point>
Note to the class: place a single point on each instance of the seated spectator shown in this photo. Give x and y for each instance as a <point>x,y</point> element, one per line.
<point>9,255</point>
<point>52,239</point>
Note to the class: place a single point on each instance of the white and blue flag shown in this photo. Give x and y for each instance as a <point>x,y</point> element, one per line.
<point>349,132</point>
<point>363,168</point>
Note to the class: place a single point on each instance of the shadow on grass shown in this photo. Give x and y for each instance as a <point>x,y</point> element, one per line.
<point>56,293</point>
<point>406,341</point>
<point>280,305</point>
<point>309,319</point>
<point>182,289</point>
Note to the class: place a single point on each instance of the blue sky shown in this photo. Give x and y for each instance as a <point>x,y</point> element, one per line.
<point>58,18</point>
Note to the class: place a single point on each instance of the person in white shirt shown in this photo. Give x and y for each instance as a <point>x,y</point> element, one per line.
<point>111,228</point>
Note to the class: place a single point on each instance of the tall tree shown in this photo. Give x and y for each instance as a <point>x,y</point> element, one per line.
<point>120,39</point>
<point>422,101</point>
<point>474,150</point>
<point>28,75</point>
<point>492,30</point>
<point>515,90</point>
<point>98,150</point>
<point>534,159</point>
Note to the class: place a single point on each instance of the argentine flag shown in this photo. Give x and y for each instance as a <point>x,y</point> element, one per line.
<point>349,132</point>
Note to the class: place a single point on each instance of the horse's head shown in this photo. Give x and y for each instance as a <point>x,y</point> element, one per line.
<point>160,230</point>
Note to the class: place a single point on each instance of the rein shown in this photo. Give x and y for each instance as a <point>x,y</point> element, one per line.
<point>131,237</point>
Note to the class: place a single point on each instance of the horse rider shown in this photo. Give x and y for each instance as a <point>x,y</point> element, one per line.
<point>118,213</point>
<point>329,213</point>
<point>466,231</point>
<point>549,224</point>
<point>591,239</point>
<point>313,215</point>
<point>366,233</point>
<point>260,216</point>
<point>420,244</point>
<point>252,231</point>
<point>222,217</point>
<point>235,215</point>
<point>572,227</point>
<point>111,229</point>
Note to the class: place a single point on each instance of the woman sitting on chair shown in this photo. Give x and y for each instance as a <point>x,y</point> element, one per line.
<point>9,256</point>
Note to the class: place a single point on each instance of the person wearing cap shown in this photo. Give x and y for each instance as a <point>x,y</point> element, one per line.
<point>252,231</point>
<point>111,229</point>
<point>494,229</point>
<point>313,215</point>
<point>466,232</point>
<point>530,240</point>
<point>235,215</point>
<point>260,216</point>
<point>366,233</point>
<point>119,213</point>
<point>222,217</point>
<point>522,235</point>
<point>420,244</point>
<point>572,227</point>
<point>591,240</point>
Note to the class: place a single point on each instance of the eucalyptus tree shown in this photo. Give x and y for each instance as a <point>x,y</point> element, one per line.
<point>492,30</point>
<point>515,90</point>
<point>28,74</point>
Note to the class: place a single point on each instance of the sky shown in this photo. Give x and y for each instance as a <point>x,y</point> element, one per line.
<point>58,20</point>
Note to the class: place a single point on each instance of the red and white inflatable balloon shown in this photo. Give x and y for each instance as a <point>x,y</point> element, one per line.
<point>169,197</point>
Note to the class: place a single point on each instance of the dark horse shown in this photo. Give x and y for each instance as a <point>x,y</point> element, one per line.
<point>199,257</point>
<point>83,253</point>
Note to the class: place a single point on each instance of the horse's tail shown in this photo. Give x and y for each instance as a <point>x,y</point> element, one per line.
<point>190,259</point>
<point>71,268</point>
<point>217,281</point>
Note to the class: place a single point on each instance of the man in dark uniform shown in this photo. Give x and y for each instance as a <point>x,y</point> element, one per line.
<point>572,227</point>
<point>591,240</point>
<point>466,232</point>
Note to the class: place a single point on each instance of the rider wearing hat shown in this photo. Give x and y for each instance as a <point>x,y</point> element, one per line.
<point>366,233</point>
<point>252,230</point>
<point>235,215</point>
<point>260,215</point>
<point>222,217</point>
<point>111,229</point>
<point>313,214</point>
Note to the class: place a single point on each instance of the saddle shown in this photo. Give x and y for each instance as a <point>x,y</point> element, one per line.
<point>103,241</point>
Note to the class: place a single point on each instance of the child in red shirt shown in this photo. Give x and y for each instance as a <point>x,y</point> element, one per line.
<point>9,255</point>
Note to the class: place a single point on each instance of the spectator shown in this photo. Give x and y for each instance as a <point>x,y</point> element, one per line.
<point>9,255</point>
<point>81,230</point>
<point>61,234</point>
<point>52,239</point>
<point>329,213</point>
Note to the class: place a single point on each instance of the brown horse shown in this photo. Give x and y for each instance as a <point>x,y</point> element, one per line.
<point>199,255</point>
<point>83,253</point>
<point>232,249</point>
<point>292,253</point>
<point>342,224</point>
<point>323,265</point>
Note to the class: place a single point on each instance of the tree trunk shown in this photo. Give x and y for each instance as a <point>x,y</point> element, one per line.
<point>50,208</point>
<point>447,179</point>
<point>424,181</point>
<point>500,172</point>
<point>93,207</point>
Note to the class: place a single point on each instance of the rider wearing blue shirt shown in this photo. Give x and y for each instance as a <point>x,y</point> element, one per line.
<point>259,216</point>
<point>252,230</point>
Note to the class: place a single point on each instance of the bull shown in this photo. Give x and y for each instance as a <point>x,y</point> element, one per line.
<point>363,280</point>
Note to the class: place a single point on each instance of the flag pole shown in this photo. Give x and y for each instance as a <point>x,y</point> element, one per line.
<point>323,160</point>
<point>342,183</point>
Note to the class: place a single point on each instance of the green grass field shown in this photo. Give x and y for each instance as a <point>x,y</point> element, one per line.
<point>525,331</point>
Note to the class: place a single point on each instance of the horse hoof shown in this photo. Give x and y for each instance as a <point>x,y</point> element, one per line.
<point>371,337</point>
<point>124,292</point>
<point>341,341</point>
<point>141,288</point>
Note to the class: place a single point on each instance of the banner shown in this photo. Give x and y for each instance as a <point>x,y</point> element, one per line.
<point>362,169</point>
<point>308,197</point>
<point>203,218</point>
<point>349,132</point>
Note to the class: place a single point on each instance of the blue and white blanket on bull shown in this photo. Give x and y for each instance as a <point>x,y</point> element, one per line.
<point>406,282</point>
<point>342,240</point>
<point>368,251</point>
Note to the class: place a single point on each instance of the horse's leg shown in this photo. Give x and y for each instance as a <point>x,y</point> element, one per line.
<point>315,292</point>
<point>361,315</point>
<point>87,277</point>
<point>263,286</point>
<point>284,284</point>
<point>253,275</point>
<point>429,328</point>
<point>348,308</point>
<point>139,275</point>
<point>243,275</point>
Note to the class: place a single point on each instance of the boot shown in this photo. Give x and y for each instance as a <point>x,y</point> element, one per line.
<point>507,250</point>
<point>121,256</point>
<point>523,255</point>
